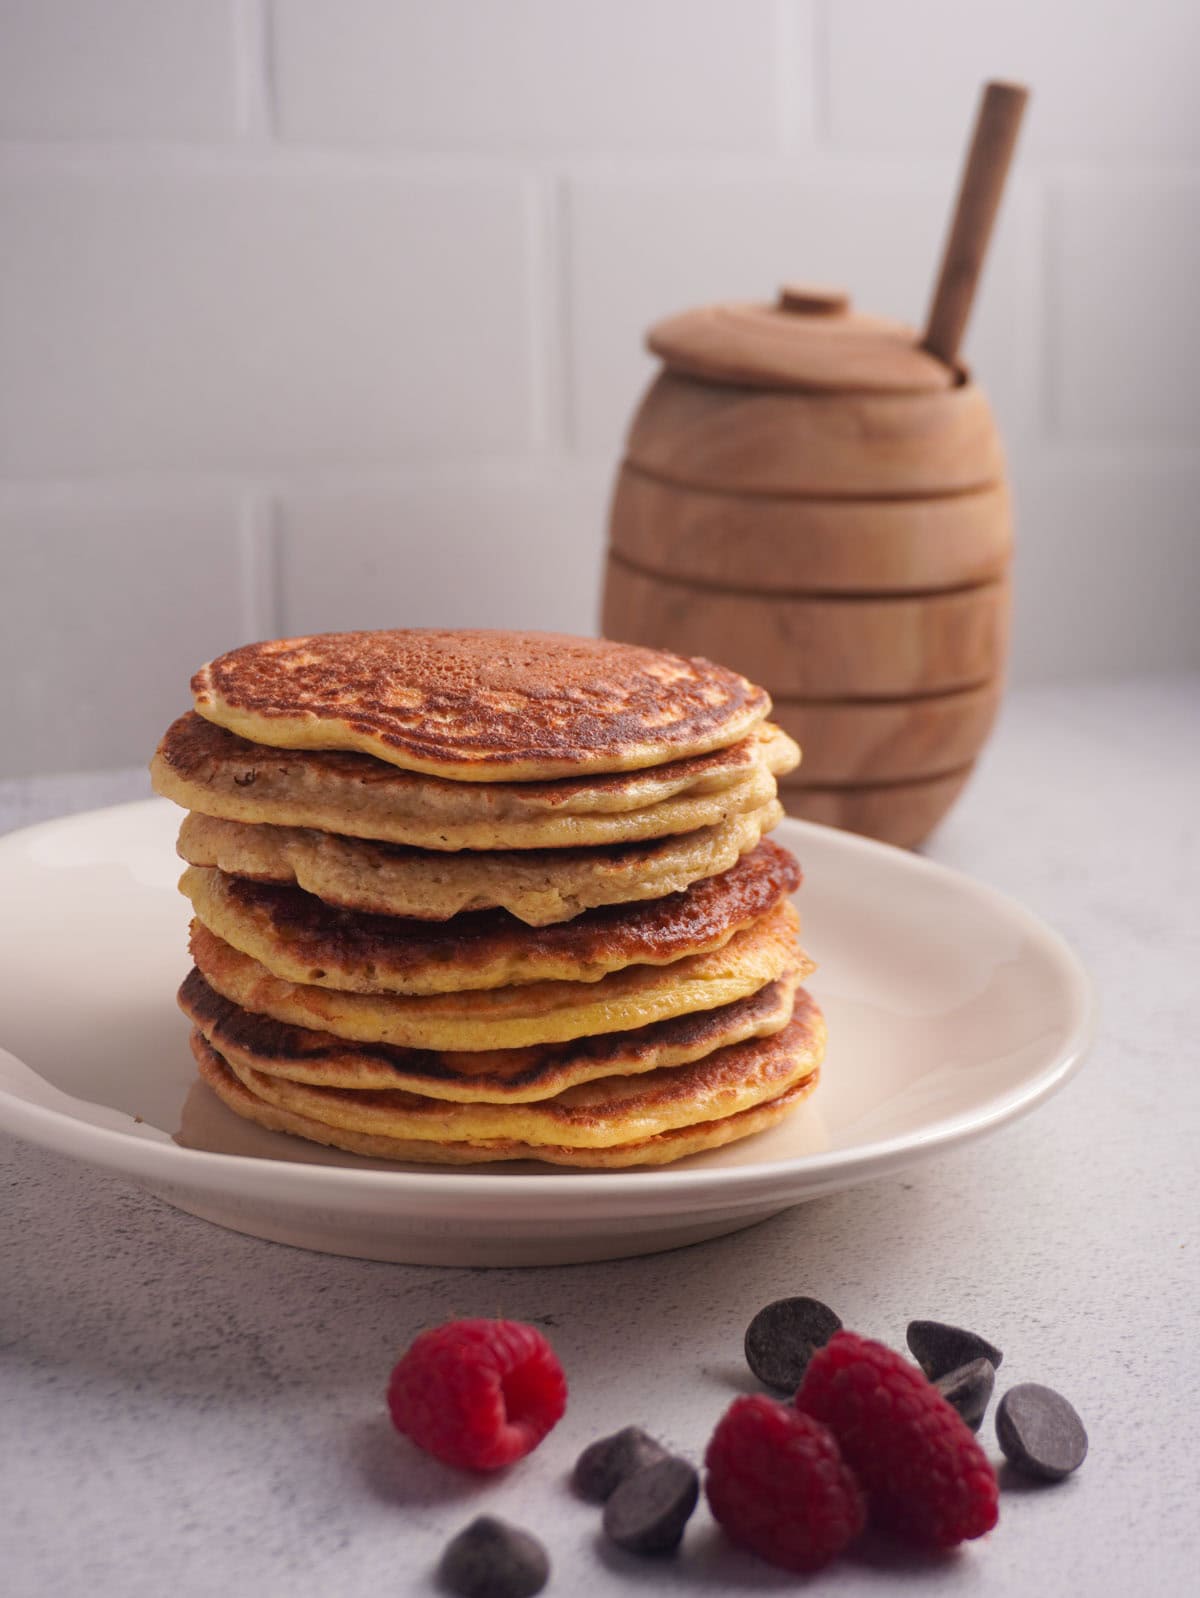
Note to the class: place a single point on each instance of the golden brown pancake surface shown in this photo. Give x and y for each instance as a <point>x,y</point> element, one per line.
<point>607,1110</point>
<point>468,896</point>
<point>538,886</point>
<point>477,705</point>
<point>494,1075</point>
<point>297,936</point>
<point>518,1016</point>
<point>209,769</point>
<point>661,1149</point>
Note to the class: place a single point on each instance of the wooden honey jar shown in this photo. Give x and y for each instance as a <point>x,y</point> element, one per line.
<point>817,498</point>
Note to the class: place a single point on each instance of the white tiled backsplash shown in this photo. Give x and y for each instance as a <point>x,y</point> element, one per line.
<point>316,313</point>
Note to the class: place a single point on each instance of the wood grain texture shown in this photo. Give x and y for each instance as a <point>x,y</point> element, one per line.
<point>820,648</point>
<point>847,741</point>
<point>902,813</point>
<point>759,441</point>
<point>775,346</point>
<point>811,546</point>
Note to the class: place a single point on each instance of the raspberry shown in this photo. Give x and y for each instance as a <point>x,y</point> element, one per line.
<point>927,1479</point>
<point>478,1394</point>
<point>779,1486</point>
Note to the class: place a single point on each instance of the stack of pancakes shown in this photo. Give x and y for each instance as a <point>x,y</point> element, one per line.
<point>476,896</point>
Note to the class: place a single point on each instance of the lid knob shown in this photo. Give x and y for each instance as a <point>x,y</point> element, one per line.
<point>813,299</point>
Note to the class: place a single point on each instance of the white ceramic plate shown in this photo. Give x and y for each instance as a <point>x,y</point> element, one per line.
<point>951,1010</point>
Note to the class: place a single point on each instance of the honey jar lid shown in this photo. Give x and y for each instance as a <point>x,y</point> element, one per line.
<point>809,339</point>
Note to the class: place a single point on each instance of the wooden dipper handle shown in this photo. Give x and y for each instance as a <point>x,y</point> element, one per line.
<point>992,146</point>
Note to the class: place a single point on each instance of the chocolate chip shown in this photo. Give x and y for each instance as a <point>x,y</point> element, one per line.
<point>939,1349</point>
<point>604,1464</point>
<point>490,1559</point>
<point>969,1389</point>
<point>648,1511</point>
<point>1040,1433</point>
<point>782,1338</point>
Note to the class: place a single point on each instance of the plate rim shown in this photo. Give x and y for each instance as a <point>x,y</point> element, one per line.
<point>138,1156</point>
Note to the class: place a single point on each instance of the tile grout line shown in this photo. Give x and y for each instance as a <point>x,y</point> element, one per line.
<point>821,121</point>
<point>1047,312</point>
<point>568,420</point>
<point>543,293</point>
<point>1095,452</point>
<point>254,71</point>
<point>261,564</point>
<point>261,152</point>
<point>1033,349</point>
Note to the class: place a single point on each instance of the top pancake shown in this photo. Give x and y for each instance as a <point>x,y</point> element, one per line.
<point>479,706</point>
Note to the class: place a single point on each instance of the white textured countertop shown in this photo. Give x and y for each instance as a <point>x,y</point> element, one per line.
<point>186,1411</point>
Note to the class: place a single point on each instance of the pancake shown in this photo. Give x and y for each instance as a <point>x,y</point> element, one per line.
<point>538,886</point>
<point>297,936</point>
<point>207,769</point>
<point>514,1017</point>
<point>510,1076</point>
<point>478,705</point>
<point>658,1150</point>
<point>611,1109</point>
